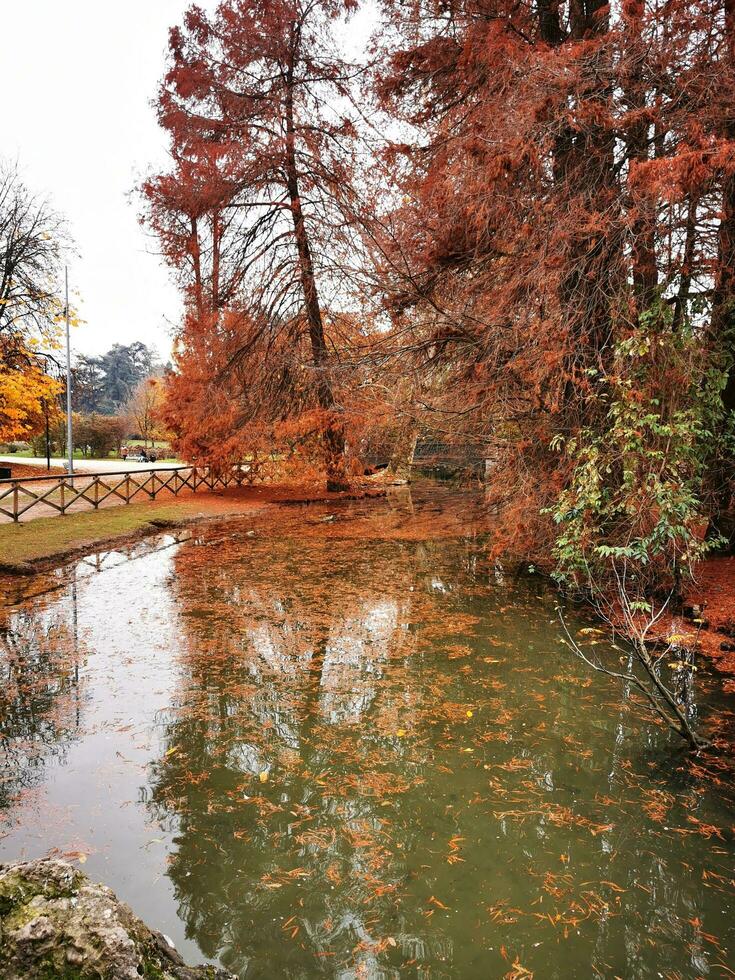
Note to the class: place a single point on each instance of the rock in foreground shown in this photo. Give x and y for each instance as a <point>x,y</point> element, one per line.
<point>55,922</point>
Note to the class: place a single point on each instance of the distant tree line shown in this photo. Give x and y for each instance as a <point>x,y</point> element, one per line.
<point>114,395</point>
<point>105,384</point>
<point>97,434</point>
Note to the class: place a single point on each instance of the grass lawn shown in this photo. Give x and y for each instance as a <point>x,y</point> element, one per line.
<point>53,537</point>
<point>29,454</point>
<point>49,536</point>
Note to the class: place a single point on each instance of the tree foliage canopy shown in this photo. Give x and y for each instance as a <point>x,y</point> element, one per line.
<point>33,240</point>
<point>526,214</point>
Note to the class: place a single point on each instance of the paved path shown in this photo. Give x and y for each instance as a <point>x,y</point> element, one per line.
<point>91,465</point>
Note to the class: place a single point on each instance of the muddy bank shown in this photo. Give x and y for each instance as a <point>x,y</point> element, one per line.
<point>707,623</point>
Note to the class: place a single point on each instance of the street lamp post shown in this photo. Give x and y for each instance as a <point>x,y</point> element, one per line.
<point>48,435</point>
<point>69,433</point>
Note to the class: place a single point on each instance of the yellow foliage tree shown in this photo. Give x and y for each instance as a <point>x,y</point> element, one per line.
<point>26,394</point>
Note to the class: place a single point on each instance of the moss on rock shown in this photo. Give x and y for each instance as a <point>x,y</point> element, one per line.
<point>56,923</point>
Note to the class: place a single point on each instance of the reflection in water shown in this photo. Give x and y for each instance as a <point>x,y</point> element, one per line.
<point>40,693</point>
<point>364,752</point>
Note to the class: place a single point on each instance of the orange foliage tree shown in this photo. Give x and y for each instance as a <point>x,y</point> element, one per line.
<point>562,204</point>
<point>250,214</point>
<point>239,394</point>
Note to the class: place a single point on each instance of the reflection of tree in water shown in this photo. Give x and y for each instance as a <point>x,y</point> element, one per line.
<point>40,692</point>
<point>315,663</point>
<point>307,683</point>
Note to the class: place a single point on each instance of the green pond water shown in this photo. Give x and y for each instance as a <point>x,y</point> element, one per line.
<point>341,742</point>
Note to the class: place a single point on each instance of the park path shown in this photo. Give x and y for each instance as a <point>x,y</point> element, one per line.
<point>90,465</point>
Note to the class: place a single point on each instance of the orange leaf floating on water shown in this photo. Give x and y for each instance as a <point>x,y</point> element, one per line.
<point>503,914</point>
<point>518,972</point>
<point>263,776</point>
<point>79,856</point>
<point>435,901</point>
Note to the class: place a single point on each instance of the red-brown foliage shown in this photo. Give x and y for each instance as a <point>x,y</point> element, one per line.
<point>573,166</point>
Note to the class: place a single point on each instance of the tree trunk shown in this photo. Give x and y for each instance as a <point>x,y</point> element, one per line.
<point>584,174</point>
<point>723,304</point>
<point>216,239</point>
<point>685,276</point>
<point>549,26</point>
<point>333,436</point>
<point>643,230</point>
<point>196,258</point>
<point>401,460</point>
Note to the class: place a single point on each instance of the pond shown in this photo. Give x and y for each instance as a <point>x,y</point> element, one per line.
<point>339,741</point>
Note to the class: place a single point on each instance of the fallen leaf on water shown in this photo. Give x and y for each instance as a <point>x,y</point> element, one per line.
<point>263,776</point>
<point>433,900</point>
<point>79,856</point>
<point>519,972</point>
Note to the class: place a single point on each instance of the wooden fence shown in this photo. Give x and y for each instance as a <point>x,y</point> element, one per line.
<point>60,493</point>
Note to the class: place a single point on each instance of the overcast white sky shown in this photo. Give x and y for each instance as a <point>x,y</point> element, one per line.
<point>77,78</point>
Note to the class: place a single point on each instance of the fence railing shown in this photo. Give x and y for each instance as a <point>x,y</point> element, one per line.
<point>60,493</point>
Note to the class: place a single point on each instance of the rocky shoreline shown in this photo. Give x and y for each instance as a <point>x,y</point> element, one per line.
<point>55,922</point>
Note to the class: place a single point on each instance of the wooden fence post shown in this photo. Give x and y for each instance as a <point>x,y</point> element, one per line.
<point>153,485</point>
